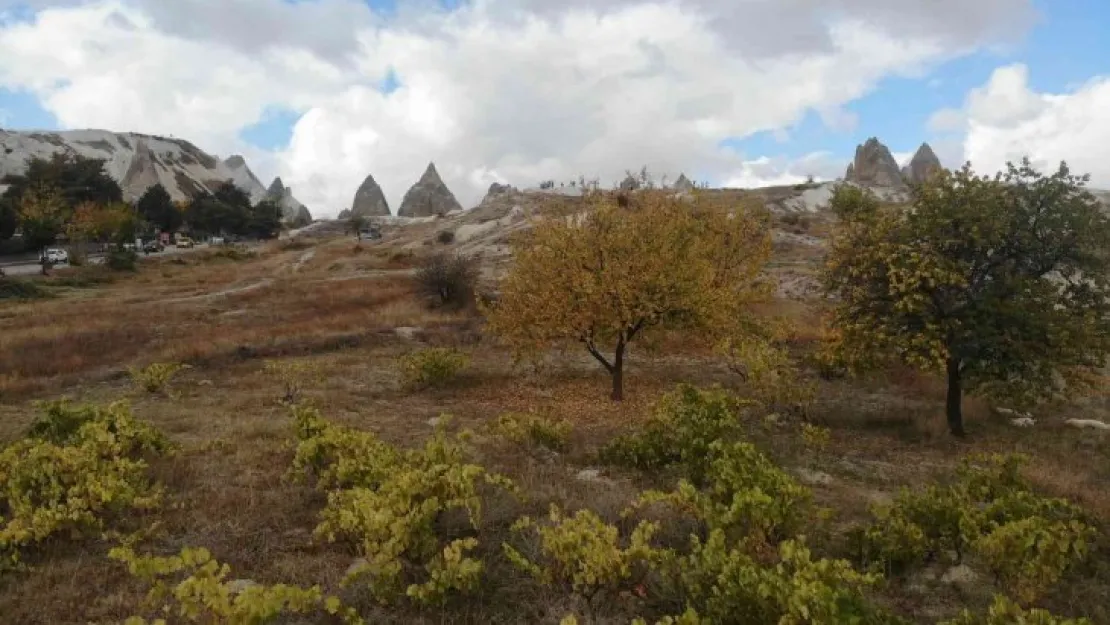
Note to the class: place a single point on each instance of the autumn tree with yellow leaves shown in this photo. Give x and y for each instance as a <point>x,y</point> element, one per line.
<point>630,264</point>
<point>999,283</point>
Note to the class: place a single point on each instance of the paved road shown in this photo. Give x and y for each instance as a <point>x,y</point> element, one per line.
<point>33,267</point>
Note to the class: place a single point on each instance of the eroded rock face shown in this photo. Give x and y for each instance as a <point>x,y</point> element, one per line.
<point>292,210</point>
<point>428,197</point>
<point>923,164</point>
<point>369,200</point>
<point>141,173</point>
<point>874,166</point>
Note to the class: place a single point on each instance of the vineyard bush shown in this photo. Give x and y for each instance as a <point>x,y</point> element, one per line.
<point>155,377</point>
<point>747,496</point>
<point>78,469</point>
<point>194,586</point>
<point>1005,612</point>
<point>1027,540</point>
<point>583,555</point>
<point>685,424</point>
<point>388,503</point>
<point>432,367</point>
<point>532,429</point>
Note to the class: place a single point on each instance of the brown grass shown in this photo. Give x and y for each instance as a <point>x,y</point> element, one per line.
<point>339,310</point>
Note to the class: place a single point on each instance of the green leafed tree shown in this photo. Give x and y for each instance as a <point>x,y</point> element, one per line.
<point>157,207</point>
<point>1000,283</point>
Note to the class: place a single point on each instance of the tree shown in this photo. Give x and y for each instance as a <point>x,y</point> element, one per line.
<point>265,220</point>
<point>606,278</point>
<point>356,224</point>
<point>77,178</point>
<point>1000,283</point>
<point>42,214</point>
<point>9,220</point>
<point>157,207</point>
<point>227,210</point>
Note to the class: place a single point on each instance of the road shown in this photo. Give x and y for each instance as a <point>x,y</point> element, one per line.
<point>33,267</point>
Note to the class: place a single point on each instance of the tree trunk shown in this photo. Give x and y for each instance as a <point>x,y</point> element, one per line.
<point>618,373</point>
<point>953,407</point>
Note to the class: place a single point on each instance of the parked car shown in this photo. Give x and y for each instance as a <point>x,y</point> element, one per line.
<point>55,255</point>
<point>216,241</point>
<point>185,242</point>
<point>153,246</point>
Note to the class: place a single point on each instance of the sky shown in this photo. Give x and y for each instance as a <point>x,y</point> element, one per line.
<point>730,92</point>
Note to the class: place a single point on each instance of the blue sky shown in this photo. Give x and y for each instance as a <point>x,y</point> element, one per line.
<point>1068,46</point>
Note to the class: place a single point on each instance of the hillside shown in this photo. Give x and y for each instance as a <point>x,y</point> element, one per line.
<point>136,161</point>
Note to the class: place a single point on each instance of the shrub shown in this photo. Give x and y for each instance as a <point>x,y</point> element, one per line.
<point>531,429</point>
<point>155,377</point>
<point>747,496</point>
<point>120,259</point>
<point>448,279</point>
<point>203,594</point>
<point>15,288</point>
<point>445,237</point>
<point>432,367</point>
<point>1027,540</point>
<point>293,376</point>
<point>82,468</point>
<point>389,504</point>
<point>1029,556</point>
<point>583,555</point>
<point>728,586</point>
<point>1005,612</point>
<point>686,422</point>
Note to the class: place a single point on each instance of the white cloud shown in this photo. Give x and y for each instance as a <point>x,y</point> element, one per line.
<point>497,91</point>
<point>1005,120</point>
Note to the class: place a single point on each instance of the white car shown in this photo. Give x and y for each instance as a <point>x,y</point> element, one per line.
<point>56,255</point>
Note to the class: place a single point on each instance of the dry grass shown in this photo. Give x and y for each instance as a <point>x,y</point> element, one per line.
<point>339,311</point>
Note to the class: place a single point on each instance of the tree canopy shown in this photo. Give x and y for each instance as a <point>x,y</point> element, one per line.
<point>62,181</point>
<point>157,207</point>
<point>1001,283</point>
<point>228,210</point>
<point>625,267</point>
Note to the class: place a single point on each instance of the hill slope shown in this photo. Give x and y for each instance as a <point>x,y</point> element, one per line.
<point>136,161</point>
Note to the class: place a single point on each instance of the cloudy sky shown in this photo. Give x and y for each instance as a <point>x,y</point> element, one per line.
<point>733,92</point>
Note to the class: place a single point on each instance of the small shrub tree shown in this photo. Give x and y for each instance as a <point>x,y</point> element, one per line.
<point>448,279</point>
<point>1002,284</point>
<point>433,367</point>
<point>606,278</point>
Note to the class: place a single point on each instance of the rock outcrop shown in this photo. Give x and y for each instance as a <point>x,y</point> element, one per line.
<point>874,166</point>
<point>498,202</point>
<point>369,200</point>
<point>683,184</point>
<point>921,166</point>
<point>292,211</point>
<point>136,161</point>
<point>142,173</point>
<point>428,197</point>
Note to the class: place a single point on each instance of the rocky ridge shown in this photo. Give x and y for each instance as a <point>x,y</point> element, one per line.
<point>291,209</point>
<point>369,200</point>
<point>428,197</point>
<point>921,166</point>
<point>136,161</point>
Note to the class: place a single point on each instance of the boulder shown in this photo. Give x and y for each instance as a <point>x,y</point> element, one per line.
<point>921,166</point>
<point>428,197</point>
<point>369,200</point>
<point>874,166</point>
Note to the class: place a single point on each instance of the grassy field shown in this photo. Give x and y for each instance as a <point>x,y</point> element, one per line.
<point>337,306</point>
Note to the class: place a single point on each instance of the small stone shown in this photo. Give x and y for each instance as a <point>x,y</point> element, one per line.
<point>814,478</point>
<point>1023,422</point>
<point>959,574</point>
<point>1088,424</point>
<point>355,566</point>
<point>237,586</point>
<point>405,332</point>
<point>433,422</point>
<point>205,383</point>
<point>592,475</point>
